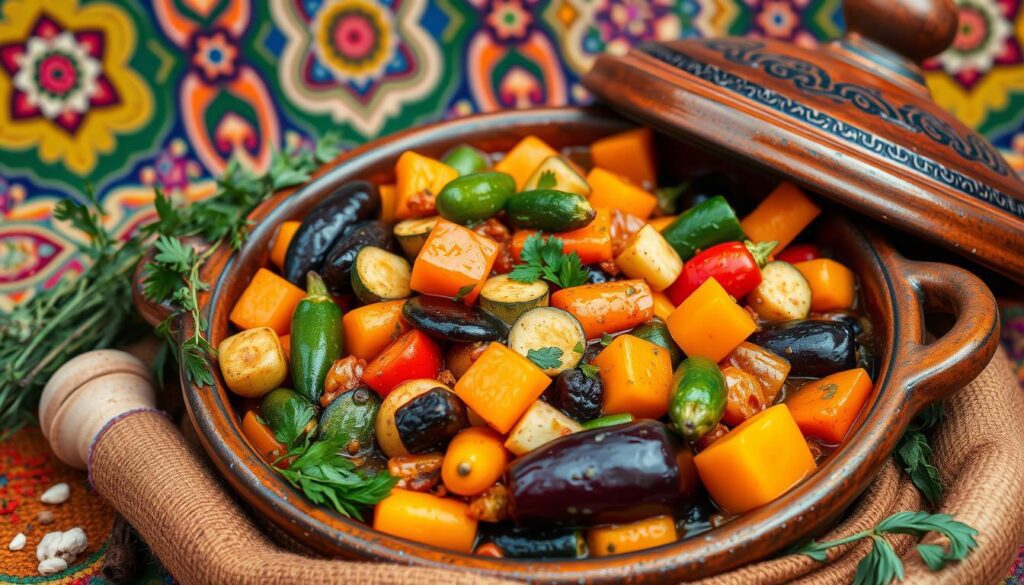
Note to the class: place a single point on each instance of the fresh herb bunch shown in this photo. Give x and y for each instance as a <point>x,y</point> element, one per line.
<point>91,310</point>
<point>317,469</point>
<point>173,276</point>
<point>915,454</point>
<point>544,258</point>
<point>882,565</point>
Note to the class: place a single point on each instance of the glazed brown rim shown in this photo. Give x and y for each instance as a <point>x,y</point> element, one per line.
<point>911,375</point>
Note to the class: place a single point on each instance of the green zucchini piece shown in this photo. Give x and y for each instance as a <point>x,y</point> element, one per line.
<point>412,233</point>
<point>697,397</point>
<point>547,327</point>
<point>351,417</point>
<point>507,299</point>
<point>610,420</point>
<point>656,332</point>
<point>379,275</point>
<point>556,173</point>
<point>475,197</point>
<point>549,210</point>
<point>466,159</point>
<point>710,222</point>
<point>280,406</point>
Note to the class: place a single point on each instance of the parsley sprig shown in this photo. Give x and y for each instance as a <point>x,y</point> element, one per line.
<point>318,470</point>
<point>915,453</point>
<point>882,565</point>
<point>544,258</point>
<point>545,358</point>
<point>174,274</point>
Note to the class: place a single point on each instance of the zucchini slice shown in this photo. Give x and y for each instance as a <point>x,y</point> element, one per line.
<point>412,233</point>
<point>507,299</point>
<point>783,294</point>
<point>547,327</point>
<point>560,175</point>
<point>379,275</point>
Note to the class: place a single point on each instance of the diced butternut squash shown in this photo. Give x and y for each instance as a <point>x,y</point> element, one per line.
<point>263,439</point>
<point>388,199</point>
<point>524,158</point>
<point>770,369</point>
<point>648,256</point>
<point>832,284</point>
<point>629,153</point>
<point>619,539</point>
<point>660,223</point>
<point>781,216</point>
<point>282,239</point>
<point>608,189</point>
<point>756,462</point>
<point>607,307</point>
<point>539,425</point>
<point>268,301</point>
<point>418,176</point>
<point>454,262</point>
<point>663,305</point>
<point>709,323</point>
<point>636,375</point>
<point>592,243</point>
<point>370,328</point>
<point>500,386</point>
<point>827,408</point>
<point>426,518</point>
<point>744,396</point>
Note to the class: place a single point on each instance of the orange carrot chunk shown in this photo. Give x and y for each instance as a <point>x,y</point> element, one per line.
<point>500,386</point>
<point>755,462</point>
<point>285,233</point>
<point>629,153</point>
<point>636,375</point>
<point>832,284</point>
<point>607,307</point>
<point>268,301</point>
<point>524,158</point>
<point>263,439</point>
<point>781,216</point>
<point>592,243</point>
<point>618,539</point>
<point>827,408</point>
<point>370,328</point>
<point>426,518</point>
<point>611,190</point>
<point>709,323</point>
<point>454,262</point>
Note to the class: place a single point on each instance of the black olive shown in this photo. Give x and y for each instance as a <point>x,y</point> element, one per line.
<point>579,395</point>
<point>430,420</point>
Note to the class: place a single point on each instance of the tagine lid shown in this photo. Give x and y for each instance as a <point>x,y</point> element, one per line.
<point>851,120</point>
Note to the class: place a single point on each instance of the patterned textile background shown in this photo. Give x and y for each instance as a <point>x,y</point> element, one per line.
<point>128,95</point>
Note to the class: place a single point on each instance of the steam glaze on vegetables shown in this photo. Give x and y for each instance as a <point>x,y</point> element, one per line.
<point>615,474</point>
<point>447,319</point>
<point>814,348</point>
<point>330,219</point>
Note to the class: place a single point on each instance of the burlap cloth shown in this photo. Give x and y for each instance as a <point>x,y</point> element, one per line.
<point>167,491</point>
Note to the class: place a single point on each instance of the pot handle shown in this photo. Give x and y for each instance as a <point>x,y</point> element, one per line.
<point>934,371</point>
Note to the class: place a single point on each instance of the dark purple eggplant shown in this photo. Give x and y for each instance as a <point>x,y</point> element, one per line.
<point>579,395</point>
<point>595,275</point>
<point>814,348</point>
<point>451,320</point>
<point>337,269</point>
<point>330,220</point>
<point>430,420</point>
<point>613,474</point>
<point>517,542</point>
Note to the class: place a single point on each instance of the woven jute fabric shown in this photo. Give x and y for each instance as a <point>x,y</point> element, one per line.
<point>201,535</point>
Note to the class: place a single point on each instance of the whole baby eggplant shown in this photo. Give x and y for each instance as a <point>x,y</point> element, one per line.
<point>444,318</point>
<point>613,474</point>
<point>330,219</point>
<point>517,542</point>
<point>337,269</point>
<point>814,348</point>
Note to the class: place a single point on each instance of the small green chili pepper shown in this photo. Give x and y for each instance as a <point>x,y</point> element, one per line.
<point>316,338</point>
<point>697,397</point>
<point>711,222</point>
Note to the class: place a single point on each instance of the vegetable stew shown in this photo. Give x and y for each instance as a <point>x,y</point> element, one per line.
<point>538,355</point>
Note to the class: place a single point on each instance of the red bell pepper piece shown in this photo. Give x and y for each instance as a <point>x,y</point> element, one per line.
<point>413,355</point>
<point>736,266</point>
<point>799,253</point>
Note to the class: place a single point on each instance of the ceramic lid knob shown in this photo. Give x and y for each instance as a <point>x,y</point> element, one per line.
<point>916,29</point>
